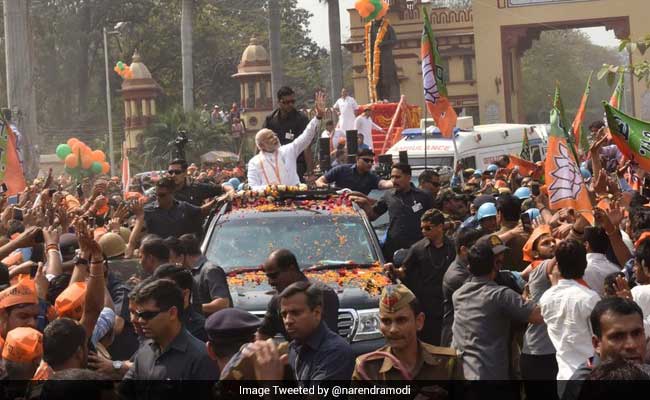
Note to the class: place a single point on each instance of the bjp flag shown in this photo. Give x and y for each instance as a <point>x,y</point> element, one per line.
<point>11,172</point>
<point>526,168</point>
<point>580,138</point>
<point>435,91</point>
<point>566,186</point>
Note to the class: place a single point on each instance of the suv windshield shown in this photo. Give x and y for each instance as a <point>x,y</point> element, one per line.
<point>240,241</point>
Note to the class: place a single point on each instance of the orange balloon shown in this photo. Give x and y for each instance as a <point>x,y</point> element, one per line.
<point>72,161</point>
<point>99,156</point>
<point>86,161</point>
<point>72,141</point>
<point>77,147</point>
<point>105,168</point>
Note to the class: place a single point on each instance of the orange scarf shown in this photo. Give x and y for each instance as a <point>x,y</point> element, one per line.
<point>645,235</point>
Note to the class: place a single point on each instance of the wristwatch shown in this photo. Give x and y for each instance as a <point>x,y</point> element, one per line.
<point>117,365</point>
<point>78,260</point>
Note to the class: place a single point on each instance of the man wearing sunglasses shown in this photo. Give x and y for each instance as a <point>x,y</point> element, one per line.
<point>168,216</point>
<point>288,124</point>
<point>194,193</point>
<point>356,177</point>
<point>429,181</point>
<point>170,352</point>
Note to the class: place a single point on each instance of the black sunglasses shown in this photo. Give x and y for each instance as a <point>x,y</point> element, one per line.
<point>434,183</point>
<point>292,101</point>
<point>175,171</point>
<point>148,315</point>
<point>368,160</point>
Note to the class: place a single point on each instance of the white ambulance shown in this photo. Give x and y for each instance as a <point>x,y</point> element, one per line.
<point>478,146</point>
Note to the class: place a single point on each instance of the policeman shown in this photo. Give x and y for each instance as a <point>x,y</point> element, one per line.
<point>228,330</point>
<point>405,357</point>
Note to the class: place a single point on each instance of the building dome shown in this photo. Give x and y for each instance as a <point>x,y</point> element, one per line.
<point>140,71</point>
<point>255,54</point>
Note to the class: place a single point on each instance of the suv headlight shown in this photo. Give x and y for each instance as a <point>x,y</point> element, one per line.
<point>368,325</point>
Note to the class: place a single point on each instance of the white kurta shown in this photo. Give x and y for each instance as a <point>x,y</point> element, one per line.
<point>347,107</point>
<point>279,168</point>
<point>365,126</point>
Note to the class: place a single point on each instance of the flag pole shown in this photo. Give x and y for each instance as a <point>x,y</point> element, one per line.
<point>424,106</point>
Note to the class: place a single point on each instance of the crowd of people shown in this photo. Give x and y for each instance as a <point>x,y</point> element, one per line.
<point>494,285</point>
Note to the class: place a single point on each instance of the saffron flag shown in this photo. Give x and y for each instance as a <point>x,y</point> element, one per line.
<point>126,169</point>
<point>11,172</point>
<point>435,91</point>
<point>526,167</point>
<point>525,147</point>
<point>566,187</point>
<point>631,136</point>
<point>577,130</point>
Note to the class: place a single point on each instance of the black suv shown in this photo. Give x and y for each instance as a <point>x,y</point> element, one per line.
<point>332,240</point>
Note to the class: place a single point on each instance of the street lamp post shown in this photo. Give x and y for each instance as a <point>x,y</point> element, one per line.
<point>111,156</point>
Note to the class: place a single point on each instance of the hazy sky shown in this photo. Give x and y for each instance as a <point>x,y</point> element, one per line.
<point>319,24</point>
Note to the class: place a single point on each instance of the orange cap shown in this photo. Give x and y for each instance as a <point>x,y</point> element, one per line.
<point>537,233</point>
<point>70,302</point>
<point>23,292</point>
<point>23,345</point>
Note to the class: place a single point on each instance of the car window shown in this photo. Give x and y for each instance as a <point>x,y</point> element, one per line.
<point>319,239</point>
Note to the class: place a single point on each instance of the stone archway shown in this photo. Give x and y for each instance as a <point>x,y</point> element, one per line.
<point>516,39</point>
<point>504,29</point>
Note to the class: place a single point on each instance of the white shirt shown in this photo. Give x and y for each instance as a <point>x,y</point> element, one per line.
<point>598,267</point>
<point>346,106</point>
<point>641,295</point>
<point>264,168</point>
<point>364,126</point>
<point>566,308</point>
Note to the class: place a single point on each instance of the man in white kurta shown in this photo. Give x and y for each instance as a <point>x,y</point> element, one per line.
<point>346,106</point>
<point>364,125</point>
<point>275,164</point>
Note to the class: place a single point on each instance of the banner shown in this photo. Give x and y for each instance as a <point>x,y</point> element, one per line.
<point>566,186</point>
<point>631,136</point>
<point>435,91</point>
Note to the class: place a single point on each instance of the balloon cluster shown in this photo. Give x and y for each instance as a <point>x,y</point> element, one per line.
<point>371,9</point>
<point>80,160</point>
<point>123,70</point>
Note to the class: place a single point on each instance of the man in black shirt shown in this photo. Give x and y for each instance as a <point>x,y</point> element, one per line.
<point>288,123</point>
<point>281,269</point>
<point>192,320</point>
<point>170,217</point>
<point>194,193</point>
<point>356,177</point>
<point>315,353</point>
<point>171,353</point>
<point>405,205</point>
<point>423,271</point>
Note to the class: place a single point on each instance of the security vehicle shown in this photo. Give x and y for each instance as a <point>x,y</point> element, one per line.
<point>333,242</point>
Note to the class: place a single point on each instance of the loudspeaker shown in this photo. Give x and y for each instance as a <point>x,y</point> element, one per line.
<point>324,160</point>
<point>351,140</point>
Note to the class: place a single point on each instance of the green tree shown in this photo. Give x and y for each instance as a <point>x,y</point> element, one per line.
<point>640,70</point>
<point>154,150</point>
<point>566,56</point>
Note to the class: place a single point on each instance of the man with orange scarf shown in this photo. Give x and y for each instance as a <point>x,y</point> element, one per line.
<point>537,360</point>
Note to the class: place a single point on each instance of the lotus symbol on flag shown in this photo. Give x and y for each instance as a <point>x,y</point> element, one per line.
<point>431,93</point>
<point>568,179</point>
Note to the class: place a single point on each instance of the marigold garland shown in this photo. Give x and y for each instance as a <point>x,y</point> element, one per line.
<point>371,279</point>
<point>374,71</point>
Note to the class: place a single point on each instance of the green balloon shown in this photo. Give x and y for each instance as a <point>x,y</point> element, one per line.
<point>96,167</point>
<point>62,151</point>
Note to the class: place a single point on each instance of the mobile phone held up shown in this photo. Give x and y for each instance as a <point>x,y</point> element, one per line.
<point>526,222</point>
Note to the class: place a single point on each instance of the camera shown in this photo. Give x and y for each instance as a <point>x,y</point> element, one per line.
<point>181,139</point>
